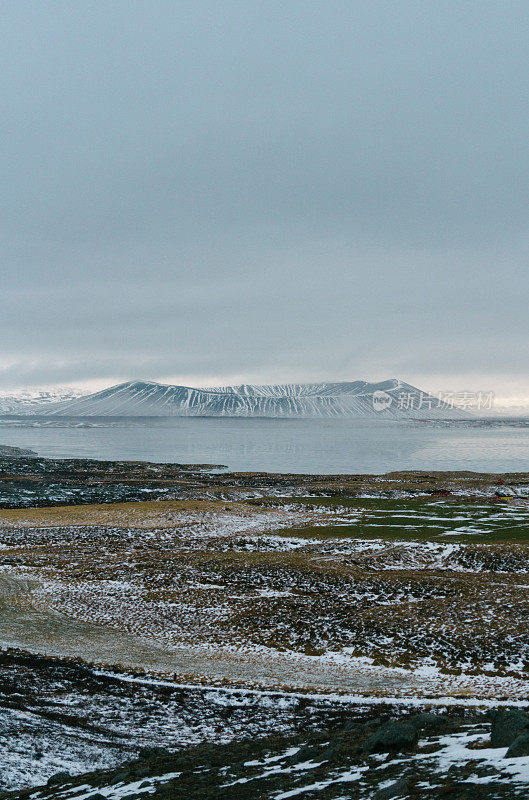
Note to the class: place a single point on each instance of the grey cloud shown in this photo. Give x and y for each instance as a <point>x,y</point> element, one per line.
<point>277,190</point>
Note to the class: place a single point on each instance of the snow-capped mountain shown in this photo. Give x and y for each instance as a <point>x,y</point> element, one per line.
<point>27,402</point>
<point>391,398</point>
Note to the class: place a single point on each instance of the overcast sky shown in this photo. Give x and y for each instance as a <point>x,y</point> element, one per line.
<point>206,192</point>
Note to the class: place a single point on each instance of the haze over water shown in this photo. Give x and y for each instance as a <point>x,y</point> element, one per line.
<point>273,445</point>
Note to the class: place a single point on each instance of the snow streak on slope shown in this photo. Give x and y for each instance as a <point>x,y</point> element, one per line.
<point>348,399</point>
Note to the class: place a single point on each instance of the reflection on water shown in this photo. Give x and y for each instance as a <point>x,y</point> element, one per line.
<point>274,445</point>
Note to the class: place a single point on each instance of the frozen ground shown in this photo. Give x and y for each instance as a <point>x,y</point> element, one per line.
<point>349,601</point>
<point>60,716</point>
<point>255,745</point>
<point>266,594</point>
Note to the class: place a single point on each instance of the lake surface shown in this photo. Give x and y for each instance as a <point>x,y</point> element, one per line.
<point>274,445</point>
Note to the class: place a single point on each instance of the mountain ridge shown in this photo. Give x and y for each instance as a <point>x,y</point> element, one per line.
<point>27,402</point>
<point>391,398</point>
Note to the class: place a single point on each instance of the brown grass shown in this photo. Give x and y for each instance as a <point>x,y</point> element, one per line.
<point>144,514</point>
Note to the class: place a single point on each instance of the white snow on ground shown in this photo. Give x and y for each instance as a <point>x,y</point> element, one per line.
<point>224,695</point>
<point>275,770</point>
<point>194,530</point>
<point>291,751</point>
<point>348,776</point>
<point>455,750</point>
<point>118,790</point>
<point>49,749</point>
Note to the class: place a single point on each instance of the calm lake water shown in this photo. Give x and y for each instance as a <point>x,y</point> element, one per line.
<point>272,445</point>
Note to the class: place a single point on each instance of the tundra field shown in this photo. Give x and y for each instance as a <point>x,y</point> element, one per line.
<point>259,635</point>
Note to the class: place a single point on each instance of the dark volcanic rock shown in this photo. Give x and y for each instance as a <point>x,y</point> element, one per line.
<point>392,737</point>
<point>520,746</point>
<point>428,722</point>
<point>507,724</point>
<point>59,777</point>
<point>154,752</point>
<point>398,789</point>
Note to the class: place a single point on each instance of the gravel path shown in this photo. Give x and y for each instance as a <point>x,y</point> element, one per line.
<point>43,631</point>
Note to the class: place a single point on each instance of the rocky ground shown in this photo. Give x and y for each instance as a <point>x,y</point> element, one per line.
<point>276,635</point>
<point>27,481</point>
<point>133,737</point>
